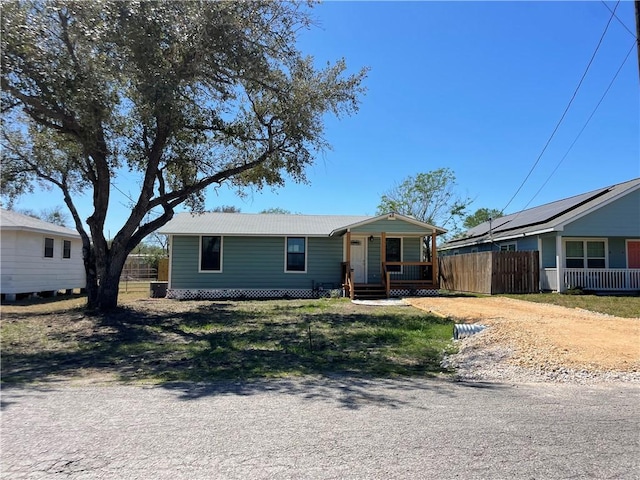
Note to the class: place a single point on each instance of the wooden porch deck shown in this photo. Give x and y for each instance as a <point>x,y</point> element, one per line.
<point>405,276</point>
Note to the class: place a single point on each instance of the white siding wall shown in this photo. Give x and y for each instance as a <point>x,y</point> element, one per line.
<point>26,270</point>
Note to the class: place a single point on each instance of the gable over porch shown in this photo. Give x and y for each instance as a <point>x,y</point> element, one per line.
<point>388,255</point>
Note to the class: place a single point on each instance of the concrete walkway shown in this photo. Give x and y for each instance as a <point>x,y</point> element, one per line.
<point>318,428</point>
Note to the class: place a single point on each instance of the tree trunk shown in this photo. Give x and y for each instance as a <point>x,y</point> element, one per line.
<point>103,278</point>
<point>91,274</point>
<point>108,291</point>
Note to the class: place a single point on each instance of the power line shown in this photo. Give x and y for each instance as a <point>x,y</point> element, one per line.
<point>618,18</point>
<point>565,110</point>
<point>584,126</point>
<point>132,200</point>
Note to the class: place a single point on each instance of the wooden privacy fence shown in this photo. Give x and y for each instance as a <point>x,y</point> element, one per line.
<point>491,272</point>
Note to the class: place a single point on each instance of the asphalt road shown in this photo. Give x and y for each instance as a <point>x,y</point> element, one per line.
<point>338,428</point>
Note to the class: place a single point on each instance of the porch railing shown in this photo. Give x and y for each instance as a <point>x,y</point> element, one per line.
<point>347,280</point>
<point>603,279</point>
<point>414,275</point>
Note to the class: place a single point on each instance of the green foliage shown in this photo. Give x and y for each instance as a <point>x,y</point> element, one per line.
<point>429,197</point>
<point>55,215</point>
<point>226,209</point>
<point>279,210</point>
<point>574,291</point>
<point>480,216</point>
<point>153,253</point>
<point>178,95</point>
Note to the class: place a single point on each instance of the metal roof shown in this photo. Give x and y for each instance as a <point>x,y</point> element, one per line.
<point>257,224</point>
<point>10,220</point>
<point>548,217</point>
<point>269,224</point>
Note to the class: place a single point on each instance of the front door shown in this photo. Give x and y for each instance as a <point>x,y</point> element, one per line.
<point>359,260</point>
<point>633,254</point>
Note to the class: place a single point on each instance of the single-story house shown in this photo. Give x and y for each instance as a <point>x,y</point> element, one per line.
<point>590,241</point>
<point>38,256</point>
<point>230,255</point>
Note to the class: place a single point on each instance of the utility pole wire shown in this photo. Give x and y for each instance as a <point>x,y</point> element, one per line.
<point>583,127</point>
<point>567,108</point>
<point>619,20</point>
<point>637,4</point>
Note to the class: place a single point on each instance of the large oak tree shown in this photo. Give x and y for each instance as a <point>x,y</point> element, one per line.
<point>181,95</point>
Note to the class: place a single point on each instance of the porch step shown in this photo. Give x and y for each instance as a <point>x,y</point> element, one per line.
<point>369,291</point>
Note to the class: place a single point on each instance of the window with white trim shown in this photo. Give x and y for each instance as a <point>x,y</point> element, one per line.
<point>66,249</point>
<point>211,254</point>
<point>585,254</point>
<point>508,247</point>
<point>296,254</point>
<point>48,247</point>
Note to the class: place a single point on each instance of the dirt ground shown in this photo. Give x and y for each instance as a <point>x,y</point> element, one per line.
<point>547,336</point>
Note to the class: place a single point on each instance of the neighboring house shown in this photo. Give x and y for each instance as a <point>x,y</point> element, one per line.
<point>38,256</point>
<point>227,255</point>
<point>591,241</point>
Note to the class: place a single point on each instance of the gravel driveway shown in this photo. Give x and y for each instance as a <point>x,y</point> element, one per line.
<point>536,342</point>
<point>318,428</point>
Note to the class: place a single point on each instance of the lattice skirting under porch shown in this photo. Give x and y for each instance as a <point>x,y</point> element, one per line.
<point>406,292</point>
<point>242,293</point>
<point>248,293</point>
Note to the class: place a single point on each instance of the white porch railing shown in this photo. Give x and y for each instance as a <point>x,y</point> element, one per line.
<point>591,279</point>
<point>548,280</point>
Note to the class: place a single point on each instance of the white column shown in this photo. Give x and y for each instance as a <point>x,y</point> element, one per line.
<point>540,267</point>
<point>559,265</point>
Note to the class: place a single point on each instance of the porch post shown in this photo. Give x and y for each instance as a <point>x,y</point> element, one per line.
<point>434,260</point>
<point>559,266</point>
<point>541,272</point>
<point>383,251</point>
<point>348,252</point>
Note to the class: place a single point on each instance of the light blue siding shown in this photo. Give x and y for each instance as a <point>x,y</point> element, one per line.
<point>411,249</point>
<point>373,261</point>
<point>255,262</point>
<point>618,219</point>
<point>548,251</point>
<point>617,252</point>
<point>527,244</point>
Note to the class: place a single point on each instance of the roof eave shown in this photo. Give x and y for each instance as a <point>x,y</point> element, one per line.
<point>389,216</point>
<point>501,238</point>
<point>17,228</point>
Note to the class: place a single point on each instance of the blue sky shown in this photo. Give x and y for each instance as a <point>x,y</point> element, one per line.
<point>477,87</point>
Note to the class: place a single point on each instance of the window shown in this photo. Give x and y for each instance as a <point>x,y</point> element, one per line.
<point>210,254</point>
<point>393,251</point>
<point>595,255</point>
<point>508,247</point>
<point>585,254</point>
<point>48,247</point>
<point>66,249</point>
<point>296,254</point>
<point>575,254</point>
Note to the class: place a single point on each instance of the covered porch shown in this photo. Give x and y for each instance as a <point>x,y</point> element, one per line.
<point>596,279</point>
<point>382,265</point>
<point>599,264</point>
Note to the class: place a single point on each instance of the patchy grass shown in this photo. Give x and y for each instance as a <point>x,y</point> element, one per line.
<point>162,340</point>
<point>129,291</point>
<point>619,306</point>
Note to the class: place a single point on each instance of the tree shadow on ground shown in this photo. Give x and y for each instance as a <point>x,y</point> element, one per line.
<point>345,391</point>
<point>221,341</point>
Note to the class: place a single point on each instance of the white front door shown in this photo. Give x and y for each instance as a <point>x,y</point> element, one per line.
<point>359,259</point>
